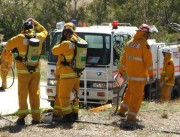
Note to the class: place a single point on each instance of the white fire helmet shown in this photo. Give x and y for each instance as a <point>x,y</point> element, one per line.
<point>147,28</point>
<point>166,50</point>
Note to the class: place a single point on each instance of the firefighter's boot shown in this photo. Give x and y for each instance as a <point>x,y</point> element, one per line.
<point>2,89</point>
<point>20,121</point>
<point>35,122</point>
<point>68,118</point>
<point>75,116</point>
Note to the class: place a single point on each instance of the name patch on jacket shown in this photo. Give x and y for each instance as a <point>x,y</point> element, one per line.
<point>71,45</point>
<point>134,45</point>
<point>25,41</point>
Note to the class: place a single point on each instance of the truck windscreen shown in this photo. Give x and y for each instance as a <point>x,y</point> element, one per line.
<point>99,48</point>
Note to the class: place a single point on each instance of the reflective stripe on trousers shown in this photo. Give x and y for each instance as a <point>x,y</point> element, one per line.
<point>57,107</point>
<point>67,109</point>
<point>23,111</point>
<point>35,111</point>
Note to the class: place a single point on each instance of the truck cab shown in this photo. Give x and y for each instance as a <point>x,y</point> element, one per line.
<point>105,45</point>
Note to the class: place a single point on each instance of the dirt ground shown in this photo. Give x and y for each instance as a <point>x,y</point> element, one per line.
<point>154,119</point>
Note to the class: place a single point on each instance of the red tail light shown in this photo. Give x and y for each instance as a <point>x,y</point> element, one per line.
<point>49,91</point>
<point>101,94</point>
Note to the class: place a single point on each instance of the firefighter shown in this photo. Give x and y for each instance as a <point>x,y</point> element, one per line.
<point>6,64</point>
<point>28,83</point>
<point>167,75</point>
<point>137,63</point>
<point>57,108</point>
<point>69,80</point>
<point>57,112</point>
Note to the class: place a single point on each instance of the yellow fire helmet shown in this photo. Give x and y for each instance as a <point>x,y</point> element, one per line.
<point>70,25</point>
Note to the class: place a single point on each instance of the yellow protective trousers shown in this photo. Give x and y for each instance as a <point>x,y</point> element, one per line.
<point>28,85</point>
<point>165,93</point>
<point>132,99</point>
<point>4,78</point>
<point>57,108</point>
<point>65,88</point>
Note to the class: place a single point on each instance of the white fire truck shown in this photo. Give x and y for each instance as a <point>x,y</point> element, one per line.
<point>105,43</point>
<point>97,84</point>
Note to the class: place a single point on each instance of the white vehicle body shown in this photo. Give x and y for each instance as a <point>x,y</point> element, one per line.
<point>97,84</point>
<point>158,59</point>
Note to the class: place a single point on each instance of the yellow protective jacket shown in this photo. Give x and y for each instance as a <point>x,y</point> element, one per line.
<point>64,49</point>
<point>20,42</point>
<point>167,74</point>
<point>6,60</point>
<point>137,59</point>
<point>69,57</point>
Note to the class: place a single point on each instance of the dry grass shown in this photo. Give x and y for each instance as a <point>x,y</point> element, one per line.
<point>156,120</point>
<point>151,124</point>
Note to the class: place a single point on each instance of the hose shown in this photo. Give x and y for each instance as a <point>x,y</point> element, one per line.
<point>13,78</point>
<point>6,119</point>
<point>121,90</point>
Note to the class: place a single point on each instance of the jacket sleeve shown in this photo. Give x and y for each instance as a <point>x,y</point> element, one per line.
<point>42,31</point>
<point>147,58</point>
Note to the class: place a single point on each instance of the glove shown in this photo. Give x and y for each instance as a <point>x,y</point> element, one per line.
<point>34,22</point>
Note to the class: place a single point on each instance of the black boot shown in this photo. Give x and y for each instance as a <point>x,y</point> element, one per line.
<point>20,122</point>
<point>35,122</point>
<point>68,118</point>
<point>75,116</point>
<point>2,89</point>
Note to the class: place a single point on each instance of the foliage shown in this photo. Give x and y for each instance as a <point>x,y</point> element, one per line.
<point>48,12</point>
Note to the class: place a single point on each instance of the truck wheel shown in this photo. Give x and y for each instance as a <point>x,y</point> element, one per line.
<point>52,104</point>
<point>175,94</point>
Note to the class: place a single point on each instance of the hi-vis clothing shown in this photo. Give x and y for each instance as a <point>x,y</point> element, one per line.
<point>137,59</point>
<point>28,83</point>
<point>167,74</point>
<point>69,80</point>
<point>138,65</point>
<point>65,49</point>
<point>6,64</point>
<point>167,77</point>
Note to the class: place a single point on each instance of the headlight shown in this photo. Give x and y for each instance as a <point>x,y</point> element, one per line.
<point>52,82</point>
<point>99,85</point>
<point>102,85</point>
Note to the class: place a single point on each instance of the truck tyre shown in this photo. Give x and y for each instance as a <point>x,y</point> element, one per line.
<point>52,104</point>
